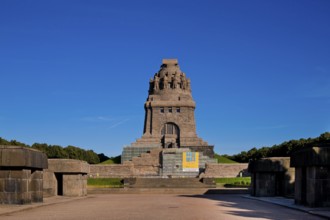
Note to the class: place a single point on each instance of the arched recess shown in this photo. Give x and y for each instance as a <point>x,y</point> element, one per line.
<point>170,135</point>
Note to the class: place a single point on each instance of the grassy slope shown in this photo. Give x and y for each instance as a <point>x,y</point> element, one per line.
<point>113,160</point>
<point>222,159</point>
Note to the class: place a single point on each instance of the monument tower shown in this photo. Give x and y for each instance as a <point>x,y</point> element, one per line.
<point>169,115</point>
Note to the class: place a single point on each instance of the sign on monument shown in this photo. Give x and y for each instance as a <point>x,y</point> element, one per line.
<point>190,161</point>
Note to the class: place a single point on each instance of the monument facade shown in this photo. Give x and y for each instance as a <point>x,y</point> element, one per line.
<point>169,146</point>
<point>169,115</point>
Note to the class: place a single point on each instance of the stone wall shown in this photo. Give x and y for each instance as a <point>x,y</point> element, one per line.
<point>222,170</point>
<point>49,184</point>
<point>127,170</point>
<point>312,185</point>
<point>20,186</point>
<point>65,177</point>
<point>206,150</point>
<point>272,177</point>
<point>75,184</point>
<point>21,175</point>
<point>111,171</point>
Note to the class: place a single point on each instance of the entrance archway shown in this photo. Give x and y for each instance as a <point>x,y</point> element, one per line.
<point>170,135</point>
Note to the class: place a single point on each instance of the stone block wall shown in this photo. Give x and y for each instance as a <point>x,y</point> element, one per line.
<point>66,177</point>
<point>172,163</point>
<point>272,177</point>
<point>206,150</point>
<point>36,183</point>
<point>312,185</point>
<point>111,171</point>
<point>74,185</point>
<point>49,184</point>
<point>20,186</point>
<point>224,170</point>
<point>21,174</point>
<point>147,165</point>
<point>130,152</point>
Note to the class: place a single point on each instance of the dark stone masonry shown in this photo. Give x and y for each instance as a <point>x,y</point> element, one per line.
<point>312,185</point>
<point>21,175</point>
<point>272,177</point>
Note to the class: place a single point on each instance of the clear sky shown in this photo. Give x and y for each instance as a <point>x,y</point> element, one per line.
<point>77,72</point>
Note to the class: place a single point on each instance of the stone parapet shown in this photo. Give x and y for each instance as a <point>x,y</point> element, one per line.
<point>225,170</point>
<point>68,166</point>
<point>271,164</point>
<point>313,156</point>
<point>16,156</point>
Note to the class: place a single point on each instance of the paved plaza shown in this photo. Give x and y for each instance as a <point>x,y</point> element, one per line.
<point>152,206</point>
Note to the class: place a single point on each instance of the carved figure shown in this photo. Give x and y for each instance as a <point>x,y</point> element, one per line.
<point>156,83</point>
<point>175,83</point>
<point>165,81</point>
<point>183,83</point>
<point>188,84</point>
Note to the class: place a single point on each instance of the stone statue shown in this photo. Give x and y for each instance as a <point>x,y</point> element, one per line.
<point>175,83</point>
<point>151,84</point>
<point>183,83</point>
<point>165,81</point>
<point>156,83</point>
<point>176,80</point>
<point>188,84</point>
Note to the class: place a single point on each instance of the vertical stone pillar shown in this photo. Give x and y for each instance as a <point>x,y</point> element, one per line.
<point>312,185</point>
<point>36,181</point>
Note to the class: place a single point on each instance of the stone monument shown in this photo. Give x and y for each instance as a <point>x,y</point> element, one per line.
<point>169,125</point>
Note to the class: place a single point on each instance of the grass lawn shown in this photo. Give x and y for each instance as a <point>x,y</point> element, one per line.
<point>105,182</point>
<point>234,182</point>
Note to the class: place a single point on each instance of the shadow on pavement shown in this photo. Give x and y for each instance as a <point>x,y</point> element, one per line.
<point>236,205</point>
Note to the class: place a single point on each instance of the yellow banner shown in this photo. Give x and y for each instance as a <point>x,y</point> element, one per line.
<point>190,161</point>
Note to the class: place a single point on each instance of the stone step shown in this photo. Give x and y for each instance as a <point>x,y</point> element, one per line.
<point>166,183</point>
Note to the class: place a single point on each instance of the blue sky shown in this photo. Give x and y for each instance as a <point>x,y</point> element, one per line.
<point>77,72</point>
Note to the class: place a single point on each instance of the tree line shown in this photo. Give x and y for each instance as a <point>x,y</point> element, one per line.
<point>286,149</point>
<point>57,151</point>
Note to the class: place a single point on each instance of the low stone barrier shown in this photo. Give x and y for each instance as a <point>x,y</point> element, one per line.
<point>224,170</point>
<point>111,171</point>
<point>128,169</point>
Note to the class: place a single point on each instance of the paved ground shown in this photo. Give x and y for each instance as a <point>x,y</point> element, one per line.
<point>154,206</point>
